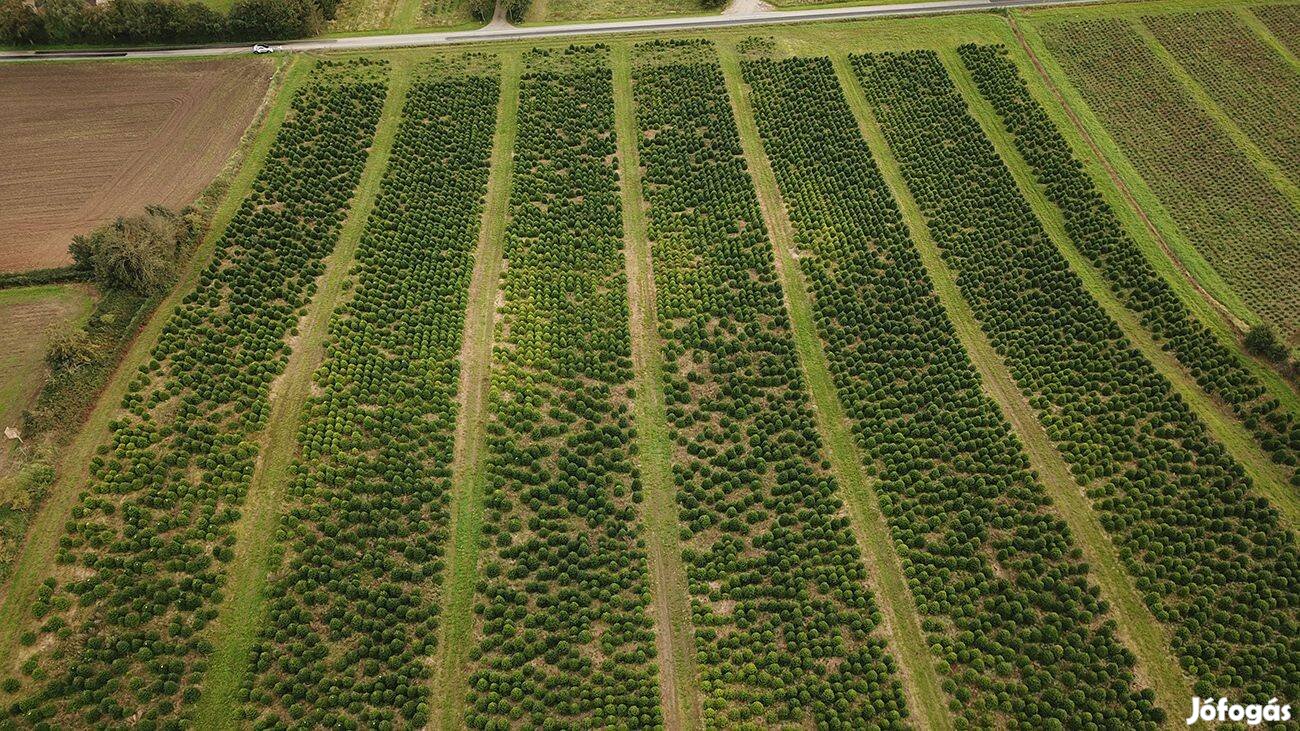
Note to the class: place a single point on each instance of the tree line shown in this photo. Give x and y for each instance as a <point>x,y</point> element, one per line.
<point>158,21</point>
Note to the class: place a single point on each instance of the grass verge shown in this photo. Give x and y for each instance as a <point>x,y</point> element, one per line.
<point>674,629</point>
<point>241,614</point>
<point>449,680</point>
<point>901,620</point>
<point>1201,97</point>
<point>1141,214</point>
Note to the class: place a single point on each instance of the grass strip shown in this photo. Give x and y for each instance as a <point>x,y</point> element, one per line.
<point>903,626</point>
<point>47,528</point>
<point>1269,477</point>
<point>674,632</point>
<point>242,615</point>
<point>450,679</point>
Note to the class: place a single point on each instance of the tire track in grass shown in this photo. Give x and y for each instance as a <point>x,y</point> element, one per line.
<point>903,626</point>
<point>675,635</point>
<point>448,678</point>
<point>1144,636</point>
<point>1227,313</point>
<point>242,615</point>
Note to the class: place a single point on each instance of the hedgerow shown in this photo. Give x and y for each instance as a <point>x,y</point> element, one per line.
<point>1006,602</point>
<point>785,627</point>
<point>353,609</point>
<point>1226,207</point>
<point>1095,229</point>
<point>1209,556</point>
<point>564,633</point>
<point>145,549</point>
<point>1249,80</point>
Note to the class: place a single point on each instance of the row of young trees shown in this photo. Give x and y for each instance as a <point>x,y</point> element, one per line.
<point>148,541</point>
<point>1210,557</point>
<point>367,522</point>
<point>1095,229</point>
<point>158,21</point>
<point>563,627</point>
<point>786,628</point>
<point>1006,602</point>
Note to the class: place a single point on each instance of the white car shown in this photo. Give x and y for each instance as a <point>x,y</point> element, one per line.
<point>259,48</point>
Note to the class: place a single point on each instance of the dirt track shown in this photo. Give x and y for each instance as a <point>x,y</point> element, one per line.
<point>87,142</point>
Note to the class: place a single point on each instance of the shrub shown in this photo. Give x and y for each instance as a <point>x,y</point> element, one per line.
<point>1262,341</point>
<point>139,253</point>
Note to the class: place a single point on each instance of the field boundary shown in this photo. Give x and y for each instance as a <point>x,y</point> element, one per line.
<point>1086,140</point>
<point>1266,36</point>
<point>242,613</point>
<point>901,625</point>
<point>47,527</point>
<point>669,590</point>
<point>448,679</point>
<point>1268,477</point>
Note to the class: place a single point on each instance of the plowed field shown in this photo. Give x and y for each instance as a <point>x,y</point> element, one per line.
<point>84,143</point>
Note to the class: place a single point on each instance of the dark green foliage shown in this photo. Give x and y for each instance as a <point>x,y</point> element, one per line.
<point>353,608</point>
<point>564,632</point>
<point>138,253</point>
<point>135,22</point>
<point>1262,341</point>
<point>147,543</point>
<point>1005,598</point>
<point>20,25</point>
<point>1209,556</point>
<point>786,629</point>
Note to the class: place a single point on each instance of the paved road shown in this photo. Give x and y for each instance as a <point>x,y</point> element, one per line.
<point>511,33</point>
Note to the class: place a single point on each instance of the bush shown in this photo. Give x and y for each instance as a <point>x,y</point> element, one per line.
<point>137,253</point>
<point>1262,341</point>
<point>19,24</point>
<point>70,350</point>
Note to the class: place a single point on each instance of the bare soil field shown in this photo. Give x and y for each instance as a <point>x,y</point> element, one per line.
<point>85,143</point>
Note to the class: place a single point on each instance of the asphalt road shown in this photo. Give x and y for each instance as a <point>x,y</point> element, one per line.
<point>514,33</point>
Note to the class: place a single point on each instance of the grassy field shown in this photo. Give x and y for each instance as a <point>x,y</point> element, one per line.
<point>85,143</point>
<point>688,349</point>
<point>570,11</point>
<point>29,318</point>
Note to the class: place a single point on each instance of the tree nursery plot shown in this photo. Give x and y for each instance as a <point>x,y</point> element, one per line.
<point>84,143</point>
<point>353,607</point>
<point>1096,230</point>
<point>984,554</point>
<point>118,626</point>
<point>1283,21</point>
<point>1242,74</point>
<point>1243,225</point>
<point>563,626</point>
<point>785,626</point>
<point>1210,557</point>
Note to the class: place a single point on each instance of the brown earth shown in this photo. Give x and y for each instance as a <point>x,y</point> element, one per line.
<point>86,142</point>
